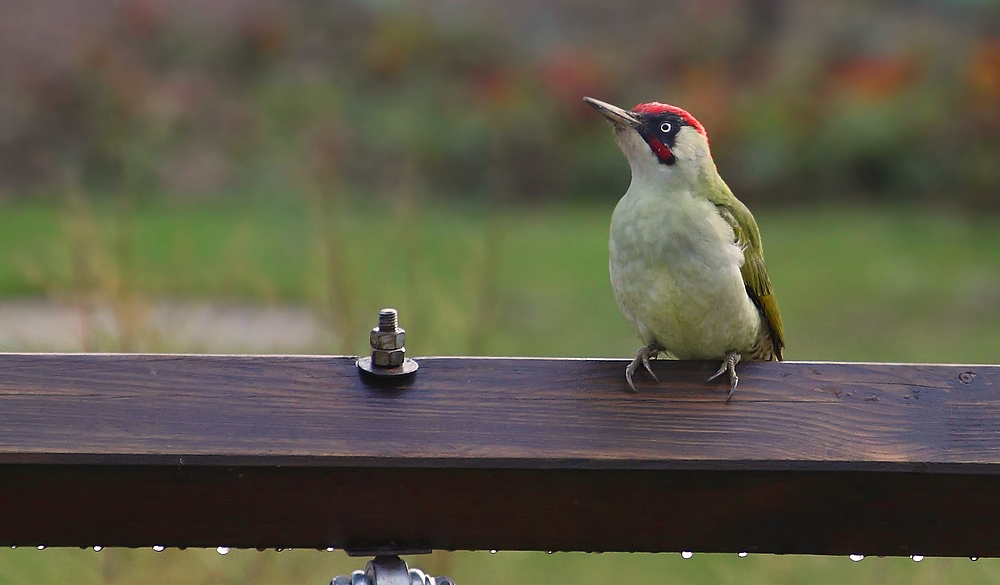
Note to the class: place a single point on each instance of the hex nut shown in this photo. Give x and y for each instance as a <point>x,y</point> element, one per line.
<point>387,339</point>
<point>386,358</point>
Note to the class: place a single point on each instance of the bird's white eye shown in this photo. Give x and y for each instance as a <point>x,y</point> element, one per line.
<point>665,127</point>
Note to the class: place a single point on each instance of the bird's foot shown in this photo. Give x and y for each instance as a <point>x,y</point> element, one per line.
<point>729,365</point>
<point>642,356</point>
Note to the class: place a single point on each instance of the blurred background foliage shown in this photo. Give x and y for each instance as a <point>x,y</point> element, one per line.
<point>805,102</point>
<point>264,175</point>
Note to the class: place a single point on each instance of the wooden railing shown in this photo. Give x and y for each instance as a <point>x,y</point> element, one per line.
<point>504,453</point>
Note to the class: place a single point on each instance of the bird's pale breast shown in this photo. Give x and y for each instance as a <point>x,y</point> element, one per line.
<point>676,276</point>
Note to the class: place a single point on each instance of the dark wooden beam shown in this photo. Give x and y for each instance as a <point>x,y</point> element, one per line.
<point>478,453</point>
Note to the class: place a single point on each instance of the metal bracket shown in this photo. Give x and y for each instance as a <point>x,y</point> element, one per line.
<point>389,570</point>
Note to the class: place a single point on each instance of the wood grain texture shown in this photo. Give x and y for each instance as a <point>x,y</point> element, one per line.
<point>477,453</point>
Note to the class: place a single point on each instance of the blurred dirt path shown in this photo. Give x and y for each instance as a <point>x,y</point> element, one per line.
<point>168,326</point>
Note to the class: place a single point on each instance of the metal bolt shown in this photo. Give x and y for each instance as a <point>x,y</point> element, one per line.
<point>387,339</point>
<point>390,570</point>
<point>418,577</point>
<point>388,334</point>
<point>388,320</point>
<point>388,357</point>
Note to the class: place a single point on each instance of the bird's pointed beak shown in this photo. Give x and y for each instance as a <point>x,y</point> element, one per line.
<point>617,115</point>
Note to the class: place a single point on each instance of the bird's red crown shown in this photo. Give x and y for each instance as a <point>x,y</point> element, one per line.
<point>653,108</point>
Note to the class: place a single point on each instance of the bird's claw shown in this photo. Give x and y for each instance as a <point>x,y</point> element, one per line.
<point>629,370</point>
<point>642,357</point>
<point>649,368</point>
<point>729,365</point>
<point>733,380</point>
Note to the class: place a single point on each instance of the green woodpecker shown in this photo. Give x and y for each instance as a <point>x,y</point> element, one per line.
<point>686,261</point>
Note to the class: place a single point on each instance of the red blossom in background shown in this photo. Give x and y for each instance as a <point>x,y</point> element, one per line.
<point>872,77</point>
<point>569,74</point>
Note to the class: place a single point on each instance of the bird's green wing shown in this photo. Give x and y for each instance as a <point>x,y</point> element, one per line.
<point>754,272</point>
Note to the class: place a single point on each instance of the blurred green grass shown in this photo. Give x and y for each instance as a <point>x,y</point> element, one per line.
<point>247,567</point>
<point>857,283</point>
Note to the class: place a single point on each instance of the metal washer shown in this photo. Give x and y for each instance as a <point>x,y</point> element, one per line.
<point>409,366</point>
